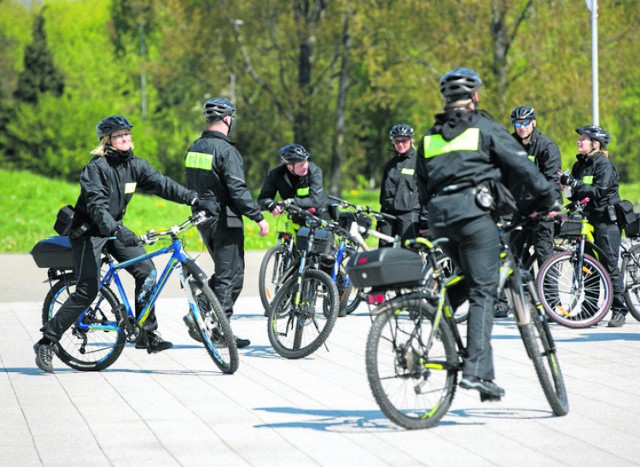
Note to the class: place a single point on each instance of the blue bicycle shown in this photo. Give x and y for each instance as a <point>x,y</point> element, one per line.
<point>97,338</point>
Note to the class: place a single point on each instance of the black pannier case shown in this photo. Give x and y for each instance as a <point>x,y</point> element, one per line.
<point>385,267</point>
<point>322,240</point>
<point>53,252</point>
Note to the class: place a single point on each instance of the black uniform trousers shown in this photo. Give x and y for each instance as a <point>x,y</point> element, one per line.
<point>607,237</point>
<point>226,247</point>
<point>87,252</point>
<point>541,236</point>
<point>405,225</point>
<point>474,246</point>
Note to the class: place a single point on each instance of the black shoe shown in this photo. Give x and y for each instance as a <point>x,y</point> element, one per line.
<point>501,311</point>
<point>192,326</point>
<point>44,356</point>
<point>617,319</point>
<point>240,343</point>
<point>486,387</point>
<point>154,343</point>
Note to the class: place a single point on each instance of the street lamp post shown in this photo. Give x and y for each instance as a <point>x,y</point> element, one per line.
<point>593,7</point>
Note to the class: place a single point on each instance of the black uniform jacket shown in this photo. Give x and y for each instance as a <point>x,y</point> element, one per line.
<point>399,190</point>
<point>462,150</point>
<point>545,154</point>
<point>598,180</point>
<point>306,191</point>
<point>108,183</point>
<point>215,169</point>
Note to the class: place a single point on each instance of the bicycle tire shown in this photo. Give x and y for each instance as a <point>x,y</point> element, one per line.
<point>275,262</point>
<point>91,350</point>
<point>540,348</point>
<point>631,279</point>
<point>297,333</point>
<point>214,328</point>
<point>412,393</point>
<point>563,303</point>
<point>354,299</point>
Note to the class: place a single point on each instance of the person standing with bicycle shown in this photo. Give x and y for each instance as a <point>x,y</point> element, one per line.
<point>296,179</point>
<point>594,176</point>
<point>545,154</point>
<point>215,169</point>
<point>461,162</point>
<point>398,189</point>
<point>107,184</point>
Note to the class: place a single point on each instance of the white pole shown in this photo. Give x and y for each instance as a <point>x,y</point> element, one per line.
<point>594,60</point>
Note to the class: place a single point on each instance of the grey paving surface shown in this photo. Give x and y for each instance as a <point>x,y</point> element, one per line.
<point>175,408</point>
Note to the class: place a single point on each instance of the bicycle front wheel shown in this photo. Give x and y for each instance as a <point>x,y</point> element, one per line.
<point>412,373</point>
<point>299,323</point>
<point>631,278</point>
<point>275,262</point>
<point>541,349</point>
<point>571,296</point>
<point>214,328</point>
<point>92,349</point>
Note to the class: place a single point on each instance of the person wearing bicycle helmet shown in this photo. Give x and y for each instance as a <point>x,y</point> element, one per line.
<point>215,169</point>
<point>107,184</point>
<point>296,179</point>
<point>545,154</point>
<point>465,150</point>
<point>398,189</point>
<point>594,176</point>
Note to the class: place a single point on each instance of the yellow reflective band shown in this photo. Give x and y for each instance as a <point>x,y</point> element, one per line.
<point>532,158</point>
<point>302,192</point>
<point>435,145</point>
<point>199,160</point>
<point>587,179</point>
<point>130,188</point>
<point>407,171</point>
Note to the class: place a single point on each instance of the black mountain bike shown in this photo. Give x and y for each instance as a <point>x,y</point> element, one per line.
<point>415,351</point>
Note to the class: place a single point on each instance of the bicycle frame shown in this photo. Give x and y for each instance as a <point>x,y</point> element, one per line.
<point>176,261</point>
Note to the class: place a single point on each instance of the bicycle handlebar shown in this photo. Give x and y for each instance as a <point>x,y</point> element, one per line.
<point>364,209</point>
<point>152,236</point>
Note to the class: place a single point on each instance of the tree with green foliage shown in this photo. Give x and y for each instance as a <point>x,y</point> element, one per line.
<point>40,75</point>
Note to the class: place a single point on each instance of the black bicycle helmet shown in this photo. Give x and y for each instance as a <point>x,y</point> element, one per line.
<point>459,83</point>
<point>218,108</point>
<point>293,153</point>
<point>401,129</point>
<point>523,112</point>
<point>595,133</point>
<point>111,124</point>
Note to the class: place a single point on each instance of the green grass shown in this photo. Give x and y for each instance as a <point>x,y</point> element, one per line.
<point>30,203</point>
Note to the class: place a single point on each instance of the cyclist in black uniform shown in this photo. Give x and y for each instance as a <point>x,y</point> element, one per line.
<point>398,190</point>
<point>296,179</point>
<point>545,154</point>
<point>107,184</point>
<point>215,169</point>
<point>594,176</point>
<point>464,149</point>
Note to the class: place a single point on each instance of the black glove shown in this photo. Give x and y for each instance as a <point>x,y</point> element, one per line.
<point>567,179</point>
<point>127,237</point>
<point>208,205</point>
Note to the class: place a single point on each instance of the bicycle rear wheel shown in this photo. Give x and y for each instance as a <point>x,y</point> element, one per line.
<point>275,262</point>
<point>574,298</point>
<point>90,350</point>
<point>296,330</point>
<point>631,278</point>
<point>413,384</point>
<point>214,328</point>
<point>538,341</point>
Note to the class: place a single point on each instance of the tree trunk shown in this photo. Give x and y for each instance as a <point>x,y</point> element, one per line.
<point>341,108</point>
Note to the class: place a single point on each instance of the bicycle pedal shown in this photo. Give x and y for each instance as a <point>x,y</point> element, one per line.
<point>489,398</point>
